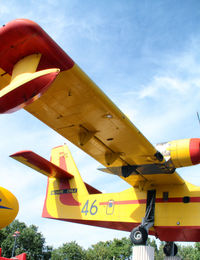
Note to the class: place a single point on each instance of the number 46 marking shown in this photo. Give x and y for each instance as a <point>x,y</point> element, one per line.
<point>93,208</point>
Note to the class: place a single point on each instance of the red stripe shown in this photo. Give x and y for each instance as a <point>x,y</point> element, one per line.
<point>143,201</point>
<point>195,150</point>
<point>67,198</point>
<point>45,213</point>
<point>178,199</point>
<point>125,202</point>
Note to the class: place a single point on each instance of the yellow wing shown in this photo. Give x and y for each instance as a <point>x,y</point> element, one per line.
<point>78,110</point>
<point>75,107</point>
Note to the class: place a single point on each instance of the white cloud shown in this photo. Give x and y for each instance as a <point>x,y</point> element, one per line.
<point>165,85</point>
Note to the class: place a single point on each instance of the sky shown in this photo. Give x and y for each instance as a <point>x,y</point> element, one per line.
<point>144,55</point>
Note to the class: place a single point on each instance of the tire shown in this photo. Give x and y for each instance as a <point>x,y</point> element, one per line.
<point>167,249</point>
<point>139,236</point>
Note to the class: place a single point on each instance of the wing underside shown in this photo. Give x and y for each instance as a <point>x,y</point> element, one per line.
<point>77,109</point>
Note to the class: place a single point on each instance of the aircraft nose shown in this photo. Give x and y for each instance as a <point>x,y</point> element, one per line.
<point>9,207</point>
<point>195,150</point>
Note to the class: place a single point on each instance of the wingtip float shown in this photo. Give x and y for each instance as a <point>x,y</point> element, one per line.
<point>38,75</point>
<point>29,63</point>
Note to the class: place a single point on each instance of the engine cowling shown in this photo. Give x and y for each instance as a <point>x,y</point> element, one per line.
<point>181,153</point>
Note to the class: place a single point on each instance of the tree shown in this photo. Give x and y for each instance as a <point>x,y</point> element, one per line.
<point>118,249</point>
<point>121,249</point>
<point>69,251</point>
<point>99,251</point>
<point>187,252</point>
<point>152,242</point>
<point>30,241</point>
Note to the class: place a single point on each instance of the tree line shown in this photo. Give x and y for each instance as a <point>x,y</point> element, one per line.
<point>33,243</point>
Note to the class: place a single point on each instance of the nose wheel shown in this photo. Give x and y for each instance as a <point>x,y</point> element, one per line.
<point>170,249</point>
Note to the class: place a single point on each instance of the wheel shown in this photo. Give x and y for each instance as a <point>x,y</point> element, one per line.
<point>139,236</point>
<point>170,249</point>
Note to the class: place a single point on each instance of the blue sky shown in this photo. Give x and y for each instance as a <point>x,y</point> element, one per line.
<point>144,55</point>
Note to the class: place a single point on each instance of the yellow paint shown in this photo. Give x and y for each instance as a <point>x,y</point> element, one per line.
<point>166,213</point>
<point>7,200</point>
<point>180,152</point>
<point>26,66</point>
<point>24,71</point>
<point>74,104</point>
<point>71,168</point>
<point>4,78</point>
<point>170,214</point>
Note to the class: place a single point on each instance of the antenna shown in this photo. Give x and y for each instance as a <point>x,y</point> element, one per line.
<point>198,117</point>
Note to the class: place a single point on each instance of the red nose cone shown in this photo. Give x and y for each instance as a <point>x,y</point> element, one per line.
<point>26,93</point>
<point>195,150</point>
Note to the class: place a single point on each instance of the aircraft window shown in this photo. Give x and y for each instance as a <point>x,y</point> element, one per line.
<point>186,199</point>
<point>165,195</point>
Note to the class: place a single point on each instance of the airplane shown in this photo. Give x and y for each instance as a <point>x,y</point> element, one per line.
<point>37,75</point>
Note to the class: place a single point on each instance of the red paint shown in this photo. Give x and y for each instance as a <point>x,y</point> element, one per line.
<point>26,93</point>
<point>195,150</point>
<point>45,213</point>
<point>62,162</point>
<point>178,199</point>
<point>19,257</point>
<point>22,37</point>
<point>92,190</point>
<point>67,198</point>
<point>49,168</point>
<point>164,233</point>
<point>170,200</point>
<point>158,200</point>
<point>124,226</point>
<point>125,202</point>
<point>178,233</point>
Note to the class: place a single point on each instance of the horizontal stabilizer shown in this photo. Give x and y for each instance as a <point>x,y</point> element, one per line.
<point>145,169</point>
<point>46,167</point>
<point>40,164</point>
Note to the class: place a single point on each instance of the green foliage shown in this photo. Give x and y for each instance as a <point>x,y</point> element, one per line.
<point>33,243</point>
<point>30,241</point>
<point>69,251</point>
<point>190,252</point>
<point>159,254</point>
<point>121,249</point>
<point>118,249</point>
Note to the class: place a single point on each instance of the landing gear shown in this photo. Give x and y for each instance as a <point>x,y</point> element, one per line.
<point>139,234</point>
<point>170,249</point>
